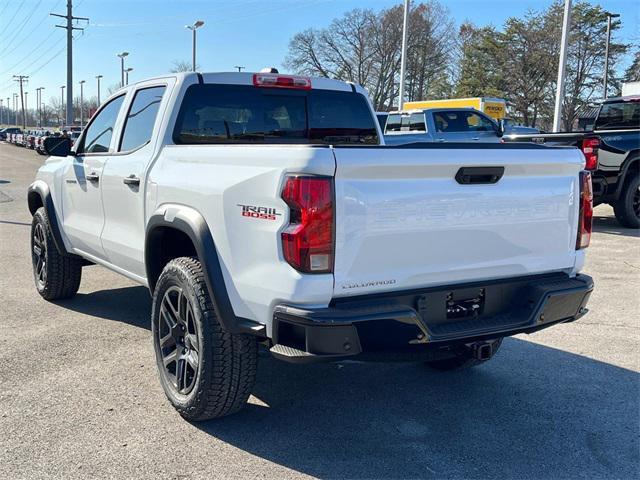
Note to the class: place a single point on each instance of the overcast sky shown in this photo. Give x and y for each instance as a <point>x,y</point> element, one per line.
<point>251,33</point>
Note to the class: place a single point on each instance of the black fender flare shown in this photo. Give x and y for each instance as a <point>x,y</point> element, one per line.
<point>632,160</point>
<point>191,223</point>
<point>38,194</point>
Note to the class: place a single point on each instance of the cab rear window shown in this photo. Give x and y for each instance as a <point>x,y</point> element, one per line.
<point>212,114</point>
<point>625,114</point>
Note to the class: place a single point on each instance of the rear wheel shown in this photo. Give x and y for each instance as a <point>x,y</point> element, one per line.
<point>627,208</point>
<point>205,371</point>
<point>56,276</point>
<point>464,358</point>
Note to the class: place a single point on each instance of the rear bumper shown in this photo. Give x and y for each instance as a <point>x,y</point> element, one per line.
<point>427,323</point>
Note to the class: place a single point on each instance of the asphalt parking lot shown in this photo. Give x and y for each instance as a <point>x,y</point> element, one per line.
<point>79,397</point>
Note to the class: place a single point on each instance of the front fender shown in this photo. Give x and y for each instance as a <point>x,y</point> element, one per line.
<point>39,195</point>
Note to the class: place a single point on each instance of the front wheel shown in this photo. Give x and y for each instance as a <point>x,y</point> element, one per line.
<point>56,276</point>
<point>205,371</point>
<point>464,358</point>
<point>627,208</point>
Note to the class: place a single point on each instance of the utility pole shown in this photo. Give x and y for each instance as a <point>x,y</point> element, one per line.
<point>1,111</point>
<point>98,77</point>
<point>606,53</point>
<point>70,28</point>
<point>21,79</point>
<point>8,112</point>
<point>566,25</point>
<point>62,105</point>
<point>26,106</point>
<point>403,55</point>
<point>82,82</point>
<point>239,67</point>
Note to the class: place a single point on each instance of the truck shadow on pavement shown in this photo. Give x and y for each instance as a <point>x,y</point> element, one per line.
<point>609,224</point>
<point>531,412</point>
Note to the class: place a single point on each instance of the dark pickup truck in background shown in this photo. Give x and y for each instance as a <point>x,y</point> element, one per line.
<point>612,153</point>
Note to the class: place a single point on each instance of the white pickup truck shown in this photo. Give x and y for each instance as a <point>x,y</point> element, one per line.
<point>264,208</point>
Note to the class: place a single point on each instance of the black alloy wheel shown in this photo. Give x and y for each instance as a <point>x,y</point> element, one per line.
<point>39,255</point>
<point>178,340</point>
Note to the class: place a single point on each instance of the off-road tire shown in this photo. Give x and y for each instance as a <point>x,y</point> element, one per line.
<point>62,273</point>
<point>462,360</point>
<point>626,208</point>
<point>226,368</point>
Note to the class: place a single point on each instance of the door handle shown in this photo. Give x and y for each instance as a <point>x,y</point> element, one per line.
<point>475,138</point>
<point>131,180</point>
<point>441,140</point>
<point>93,177</point>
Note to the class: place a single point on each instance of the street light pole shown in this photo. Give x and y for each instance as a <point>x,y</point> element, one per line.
<point>98,77</point>
<point>26,109</point>
<point>39,106</point>
<point>566,25</point>
<point>82,82</point>
<point>126,75</point>
<point>606,53</point>
<point>239,67</point>
<point>403,55</point>
<point>193,28</point>
<point>122,55</point>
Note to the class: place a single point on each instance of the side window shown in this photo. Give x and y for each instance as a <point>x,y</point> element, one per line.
<point>138,127</point>
<point>98,135</point>
<point>416,122</point>
<point>478,123</point>
<point>393,123</point>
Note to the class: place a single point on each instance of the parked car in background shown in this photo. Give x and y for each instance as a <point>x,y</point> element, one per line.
<point>40,142</point>
<point>441,125</point>
<point>612,152</point>
<point>5,133</point>
<point>265,208</point>
<point>510,127</point>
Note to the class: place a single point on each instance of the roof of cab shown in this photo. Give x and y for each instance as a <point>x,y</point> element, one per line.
<point>246,78</point>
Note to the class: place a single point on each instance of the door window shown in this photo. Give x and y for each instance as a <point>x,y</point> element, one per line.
<point>416,122</point>
<point>97,138</point>
<point>462,121</point>
<point>141,118</point>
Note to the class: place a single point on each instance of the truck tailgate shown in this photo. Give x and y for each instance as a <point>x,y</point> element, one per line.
<point>403,221</point>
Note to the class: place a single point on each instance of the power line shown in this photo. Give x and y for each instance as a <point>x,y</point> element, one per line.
<point>28,55</point>
<point>19,30</point>
<point>5,7</point>
<point>16,12</point>
<point>28,35</point>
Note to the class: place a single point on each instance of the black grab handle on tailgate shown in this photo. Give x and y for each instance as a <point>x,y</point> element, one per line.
<point>479,175</point>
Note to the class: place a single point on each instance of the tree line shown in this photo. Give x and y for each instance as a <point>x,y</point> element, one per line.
<point>517,61</point>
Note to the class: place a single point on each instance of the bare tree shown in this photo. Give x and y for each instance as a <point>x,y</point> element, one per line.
<point>182,66</point>
<point>364,47</point>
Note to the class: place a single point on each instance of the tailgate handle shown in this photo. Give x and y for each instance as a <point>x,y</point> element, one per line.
<point>479,175</point>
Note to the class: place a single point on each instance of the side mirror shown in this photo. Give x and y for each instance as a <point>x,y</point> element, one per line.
<point>57,146</point>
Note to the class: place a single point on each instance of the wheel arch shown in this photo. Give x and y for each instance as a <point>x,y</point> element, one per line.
<point>167,232</point>
<point>631,164</point>
<point>39,195</point>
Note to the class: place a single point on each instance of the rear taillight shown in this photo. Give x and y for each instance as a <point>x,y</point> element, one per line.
<point>281,81</point>
<point>307,242</point>
<point>590,148</point>
<point>585,218</point>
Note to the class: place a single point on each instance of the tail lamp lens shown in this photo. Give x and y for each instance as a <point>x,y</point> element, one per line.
<point>307,242</point>
<point>590,148</point>
<point>586,211</point>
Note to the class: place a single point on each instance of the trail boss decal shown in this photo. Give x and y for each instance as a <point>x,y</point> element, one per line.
<point>262,213</point>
